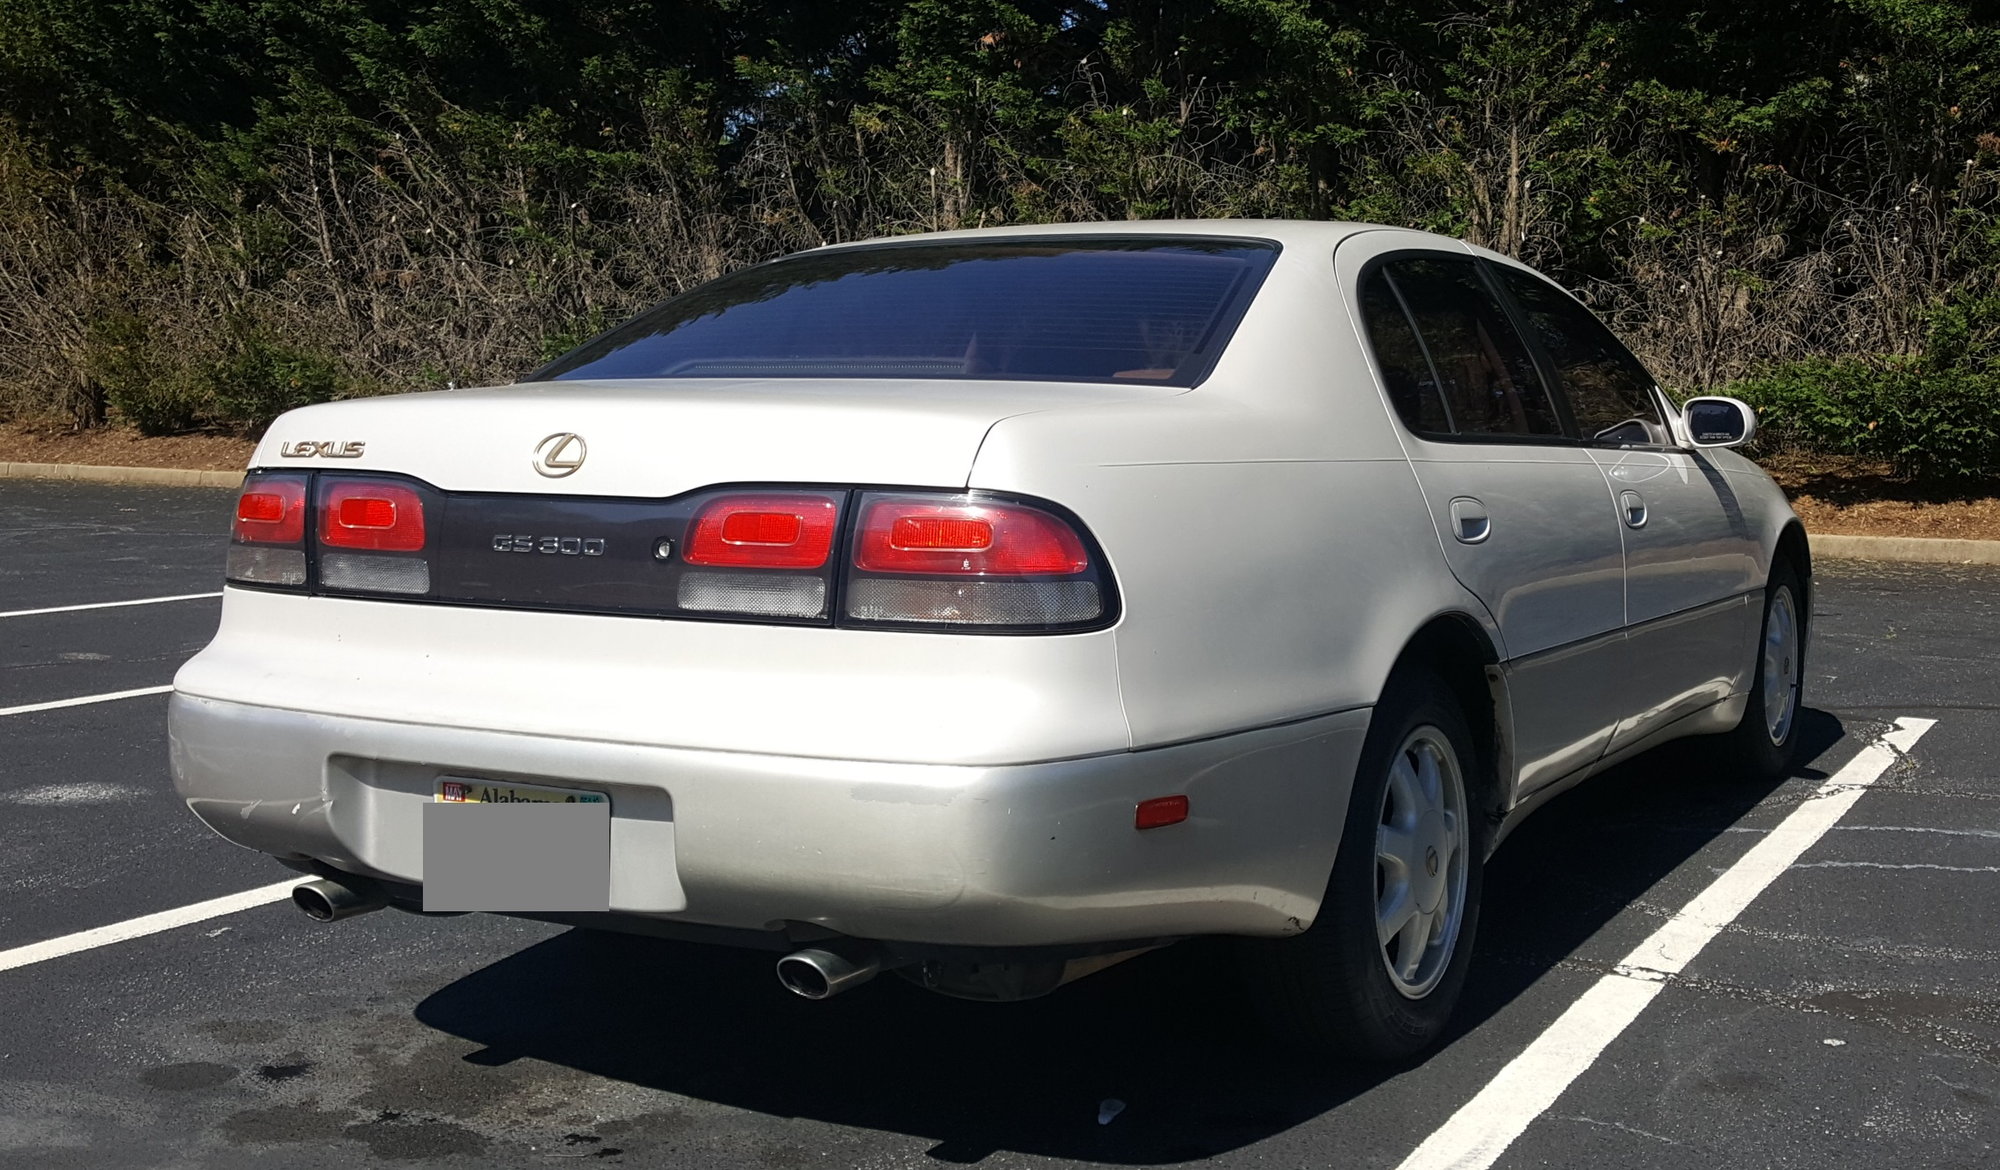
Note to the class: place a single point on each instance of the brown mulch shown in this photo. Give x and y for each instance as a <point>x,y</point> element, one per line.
<point>121,447</point>
<point>1844,496</point>
<point>1853,497</point>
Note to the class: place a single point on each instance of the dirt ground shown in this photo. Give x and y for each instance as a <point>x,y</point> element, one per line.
<point>1858,498</point>
<point>1832,496</point>
<point>120,447</point>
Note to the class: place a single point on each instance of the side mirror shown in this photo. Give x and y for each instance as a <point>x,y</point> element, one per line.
<point>1718,422</point>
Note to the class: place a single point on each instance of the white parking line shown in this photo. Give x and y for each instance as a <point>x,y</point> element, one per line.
<point>84,700</point>
<point>118,932</point>
<point>108,604</point>
<point>1482,1129</point>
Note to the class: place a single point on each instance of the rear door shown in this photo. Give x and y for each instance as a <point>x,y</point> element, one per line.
<point>1691,578</point>
<point>1522,511</point>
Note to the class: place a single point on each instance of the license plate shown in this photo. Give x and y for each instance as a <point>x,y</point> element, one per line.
<point>461,790</point>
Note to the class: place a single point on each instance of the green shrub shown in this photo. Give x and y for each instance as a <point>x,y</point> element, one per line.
<point>149,382</point>
<point>1931,424</point>
<point>262,378</point>
<point>1939,426</point>
<point>1818,406</point>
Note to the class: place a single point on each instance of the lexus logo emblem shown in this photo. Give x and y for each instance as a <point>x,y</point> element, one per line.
<point>560,454</point>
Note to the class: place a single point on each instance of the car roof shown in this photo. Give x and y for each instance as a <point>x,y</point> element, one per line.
<point>1288,232</point>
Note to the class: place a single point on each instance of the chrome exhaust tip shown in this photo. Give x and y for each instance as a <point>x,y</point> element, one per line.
<point>821,973</point>
<point>330,901</point>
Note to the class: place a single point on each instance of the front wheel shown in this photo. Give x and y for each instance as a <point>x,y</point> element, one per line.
<point>1377,974</point>
<point>1763,745</point>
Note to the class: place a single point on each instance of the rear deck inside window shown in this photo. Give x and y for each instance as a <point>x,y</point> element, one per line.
<point>1152,311</point>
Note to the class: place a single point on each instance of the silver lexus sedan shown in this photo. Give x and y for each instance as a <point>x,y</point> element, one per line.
<point>989,607</point>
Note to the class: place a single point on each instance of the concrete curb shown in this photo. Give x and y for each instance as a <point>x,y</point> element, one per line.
<point>156,476</point>
<point>1915,549</point>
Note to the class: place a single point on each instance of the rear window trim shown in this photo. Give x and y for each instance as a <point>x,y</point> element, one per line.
<point>1224,325</point>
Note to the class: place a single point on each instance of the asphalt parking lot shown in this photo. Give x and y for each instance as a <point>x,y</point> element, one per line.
<point>1849,1015</point>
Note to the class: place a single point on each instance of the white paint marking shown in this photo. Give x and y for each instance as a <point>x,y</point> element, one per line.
<point>1993,834</point>
<point>118,932</point>
<point>1898,865</point>
<point>1482,1129</point>
<point>84,700</point>
<point>107,604</point>
<point>87,792</point>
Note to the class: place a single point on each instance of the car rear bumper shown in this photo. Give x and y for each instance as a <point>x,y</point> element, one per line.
<point>1028,854</point>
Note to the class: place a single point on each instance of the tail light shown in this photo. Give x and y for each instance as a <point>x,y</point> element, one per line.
<point>824,556</point>
<point>372,515</point>
<point>790,531</point>
<point>267,541</point>
<point>372,536</point>
<point>963,560</point>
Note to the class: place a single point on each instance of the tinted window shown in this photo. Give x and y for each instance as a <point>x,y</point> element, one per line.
<point>1406,369</point>
<point>1609,392</point>
<point>1483,369</point>
<point>1136,311</point>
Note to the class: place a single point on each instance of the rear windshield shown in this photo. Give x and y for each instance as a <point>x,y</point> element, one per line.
<point>1146,311</point>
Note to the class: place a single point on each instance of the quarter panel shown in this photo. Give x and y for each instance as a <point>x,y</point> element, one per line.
<point>1253,592</point>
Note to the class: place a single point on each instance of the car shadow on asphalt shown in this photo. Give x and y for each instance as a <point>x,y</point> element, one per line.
<point>1167,1033</point>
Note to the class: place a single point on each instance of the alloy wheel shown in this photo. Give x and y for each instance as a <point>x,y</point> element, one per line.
<point>1781,666</point>
<point>1420,862</point>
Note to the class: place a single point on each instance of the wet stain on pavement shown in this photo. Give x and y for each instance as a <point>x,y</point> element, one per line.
<point>399,1138</point>
<point>284,1072</point>
<point>300,1121</point>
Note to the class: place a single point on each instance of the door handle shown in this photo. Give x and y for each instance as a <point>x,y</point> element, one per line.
<point>1469,522</point>
<point>1633,506</point>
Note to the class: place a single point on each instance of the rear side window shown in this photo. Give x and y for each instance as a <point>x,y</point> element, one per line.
<point>1609,392</point>
<point>1406,369</point>
<point>1154,311</point>
<point>1481,368</point>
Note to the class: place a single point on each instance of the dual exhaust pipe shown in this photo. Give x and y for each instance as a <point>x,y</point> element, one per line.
<point>813,973</point>
<point>330,901</point>
<point>825,971</point>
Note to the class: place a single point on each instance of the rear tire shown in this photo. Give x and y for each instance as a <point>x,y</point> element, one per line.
<point>1377,974</point>
<point>1765,743</point>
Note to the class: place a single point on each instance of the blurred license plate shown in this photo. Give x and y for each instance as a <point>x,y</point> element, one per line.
<point>516,848</point>
<point>460,790</point>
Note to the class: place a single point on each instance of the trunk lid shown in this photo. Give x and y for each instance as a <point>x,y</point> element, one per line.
<point>659,438</point>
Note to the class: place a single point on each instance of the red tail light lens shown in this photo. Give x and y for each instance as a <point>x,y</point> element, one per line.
<point>268,537</point>
<point>763,532</point>
<point>271,510</point>
<point>966,539</point>
<point>972,562</point>
<point>366,514</point>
